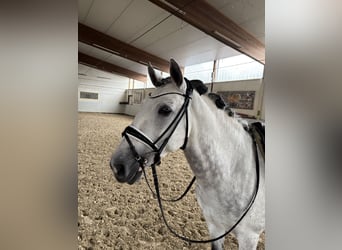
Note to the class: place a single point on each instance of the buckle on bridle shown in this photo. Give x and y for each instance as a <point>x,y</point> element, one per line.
<point>157,159</point>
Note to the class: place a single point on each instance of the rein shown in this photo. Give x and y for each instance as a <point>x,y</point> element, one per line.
<point>156,185</point>
<point>136,133</point>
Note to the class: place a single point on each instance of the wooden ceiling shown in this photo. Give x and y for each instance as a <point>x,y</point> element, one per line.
<point>208,19</point>
<point>132,33</point>
<point>109,67</point>
<point>110,44</point>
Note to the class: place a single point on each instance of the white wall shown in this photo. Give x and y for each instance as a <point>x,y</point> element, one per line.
<point>110,93</point>
<point>253,85</point>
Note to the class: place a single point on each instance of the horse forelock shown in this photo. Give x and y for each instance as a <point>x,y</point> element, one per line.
<point>197,85</point>
<point>163,81</point>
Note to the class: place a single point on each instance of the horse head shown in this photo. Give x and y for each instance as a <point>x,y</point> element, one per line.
<point>160,126</point>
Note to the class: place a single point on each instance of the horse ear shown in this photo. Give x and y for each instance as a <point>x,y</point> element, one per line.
<point>153,75</point>
<point>176,73</point>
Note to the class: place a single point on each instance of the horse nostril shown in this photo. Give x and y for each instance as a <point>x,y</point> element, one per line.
<point>119,170</point>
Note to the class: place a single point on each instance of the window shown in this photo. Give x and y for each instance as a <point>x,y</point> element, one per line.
<point>238,68</point>
<point>89,95</point>
<point>234,68</point>
<point>199,71</point>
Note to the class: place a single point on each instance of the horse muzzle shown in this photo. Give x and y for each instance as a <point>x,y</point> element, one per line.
<point>129,173</point>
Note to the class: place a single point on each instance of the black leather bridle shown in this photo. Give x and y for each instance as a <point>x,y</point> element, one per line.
<point>136,133</point>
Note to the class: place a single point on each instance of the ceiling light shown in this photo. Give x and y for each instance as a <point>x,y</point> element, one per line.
<point>87,64</point>
<point>236,45</point>
<point>102,77</point>
<point>143,62</point>
<point>106,49</point>
<point>173,7</point>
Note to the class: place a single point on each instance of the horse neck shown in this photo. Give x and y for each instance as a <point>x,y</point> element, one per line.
<point>218,146</point>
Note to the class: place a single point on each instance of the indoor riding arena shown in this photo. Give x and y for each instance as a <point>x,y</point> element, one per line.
<point>121,216</point>
<point>220,43</point>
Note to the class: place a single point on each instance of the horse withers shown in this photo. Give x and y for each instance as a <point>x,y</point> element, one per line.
<point>218,149</point>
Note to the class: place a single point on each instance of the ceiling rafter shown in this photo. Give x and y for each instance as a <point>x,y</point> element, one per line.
<point>109,67</point>
<point>112,45</point>
<point>208,19</point>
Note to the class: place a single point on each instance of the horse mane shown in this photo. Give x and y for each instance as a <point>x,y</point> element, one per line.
<point>197,85</point>
<point>200,87</point>
<point>163,81</point>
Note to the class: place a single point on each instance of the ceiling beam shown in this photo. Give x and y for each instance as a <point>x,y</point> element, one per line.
<point>108,67</point>
<point>110,44</point>
<point>208,19</point>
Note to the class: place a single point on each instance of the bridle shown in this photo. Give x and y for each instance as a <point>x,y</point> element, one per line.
<point>137,134</point>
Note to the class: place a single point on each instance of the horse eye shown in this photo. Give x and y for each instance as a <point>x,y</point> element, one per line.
<point>164,110</point>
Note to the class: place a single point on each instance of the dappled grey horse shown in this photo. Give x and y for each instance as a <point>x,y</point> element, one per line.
<point>218,149</point>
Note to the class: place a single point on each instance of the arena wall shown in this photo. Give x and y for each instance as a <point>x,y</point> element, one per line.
<point>247,85</point>
<point>110,94</point>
